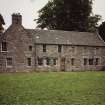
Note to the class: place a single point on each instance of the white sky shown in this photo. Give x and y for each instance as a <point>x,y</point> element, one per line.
<point>29,8</point>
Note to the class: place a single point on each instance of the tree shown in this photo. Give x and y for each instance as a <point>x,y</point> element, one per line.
<point>101,30</point>
<point>1,23</point>
<point>71,15</point>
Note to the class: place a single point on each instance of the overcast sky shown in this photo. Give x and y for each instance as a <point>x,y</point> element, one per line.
<point>29,8</point>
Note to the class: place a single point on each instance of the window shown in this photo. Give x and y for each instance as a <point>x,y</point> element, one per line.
<point>54,61</point>
<point>44,48</point>
<point>4,46</point>
<point>59,48</point>
<point>29,61</point>
<point>90,61</point>
<point>97,61</point>
<point>30,48</point>
<point>85,61</point>
<point>40,61</point>
<point>9,61</point>
<point>72,61</point>
<point>48,61</point>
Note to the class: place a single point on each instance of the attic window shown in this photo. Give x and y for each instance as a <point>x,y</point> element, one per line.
<point>4,46</point>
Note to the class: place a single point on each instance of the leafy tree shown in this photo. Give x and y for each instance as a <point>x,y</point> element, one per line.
<point>1,23</point>
<point>102,30</point>
<point>68,15</point>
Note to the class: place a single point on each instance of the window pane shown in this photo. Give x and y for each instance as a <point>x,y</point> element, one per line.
<point>48,61</point>
<point>54,61</point>
<point>90,61</point>
<point>30,48</point>
<point>72,61</point>
<point>59,48</point>
<point>97,61</point>
<point>9,61</point>
<point>29,61</point>
<point>44,48</point>
<point>4,46</point>
<point>40,61</point>
<point>85,61</point>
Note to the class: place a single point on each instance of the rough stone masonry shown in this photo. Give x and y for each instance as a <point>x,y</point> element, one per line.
<point>25,50</point>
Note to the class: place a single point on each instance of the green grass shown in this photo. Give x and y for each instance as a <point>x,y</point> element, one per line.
<point>74,88</point>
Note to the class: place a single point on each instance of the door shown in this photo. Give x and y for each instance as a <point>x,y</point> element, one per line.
<point>62,64</point>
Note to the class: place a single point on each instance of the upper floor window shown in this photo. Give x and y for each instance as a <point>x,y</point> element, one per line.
<point>29,61</point>
<point>4,46</point>
<point>44,48</point>
<point>9,62</point>
<point>30,48</point>
<point>59,48</point>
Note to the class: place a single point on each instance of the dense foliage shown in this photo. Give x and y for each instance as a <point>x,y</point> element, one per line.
<point>72,15</point>
<point>102,30</point>
<point>1,22</point>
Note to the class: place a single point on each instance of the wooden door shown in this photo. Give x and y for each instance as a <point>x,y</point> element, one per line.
<point>62,64</point>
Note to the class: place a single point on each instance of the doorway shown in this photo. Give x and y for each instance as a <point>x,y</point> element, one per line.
<point>62,64</point>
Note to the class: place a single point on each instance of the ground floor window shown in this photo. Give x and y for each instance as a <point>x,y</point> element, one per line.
<point>54,61</point>
<point>29,61</point>
<point>85,61</point>
<point>97,61</point>
<point>9,61</point>
<point>72,61</point>
<point>91,61</point>
<point>47,61</point>
<point>40,61</point>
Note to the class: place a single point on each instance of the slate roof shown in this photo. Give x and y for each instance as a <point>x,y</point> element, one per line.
<point>65,37</point>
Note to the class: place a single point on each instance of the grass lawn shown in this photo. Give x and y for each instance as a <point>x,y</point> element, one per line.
<point>69,88</point>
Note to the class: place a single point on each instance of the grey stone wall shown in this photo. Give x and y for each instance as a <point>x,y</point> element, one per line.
<point>78,53</point>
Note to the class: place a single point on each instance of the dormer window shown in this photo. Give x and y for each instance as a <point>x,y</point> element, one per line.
<point>4,46</point>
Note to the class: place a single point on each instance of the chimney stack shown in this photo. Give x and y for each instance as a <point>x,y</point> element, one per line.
<point>16,19</point>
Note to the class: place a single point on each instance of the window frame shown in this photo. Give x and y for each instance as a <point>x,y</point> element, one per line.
<point>29,62</point>
<point>9,64</point>
<point>3,47</point>
<point>59,48</point>
<point>72,61</point>
<point>40,63</point>
<point>91,61</point>
<point>85,61</point>
<point>44,47</point>
<point>30,48</point>
<point>97,60</point>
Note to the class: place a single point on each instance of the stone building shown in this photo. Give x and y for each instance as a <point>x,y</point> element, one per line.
<point>49,50</point>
